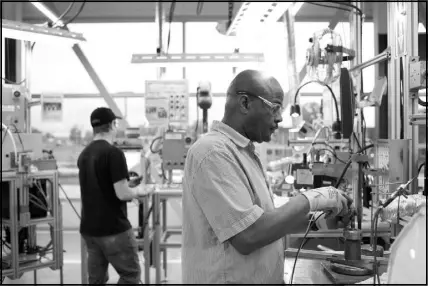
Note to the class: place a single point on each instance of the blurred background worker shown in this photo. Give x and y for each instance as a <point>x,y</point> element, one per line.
<point>232,232</point>
<point>105,188</point>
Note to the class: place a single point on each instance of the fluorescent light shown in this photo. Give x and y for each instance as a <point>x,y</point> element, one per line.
<point>255,14</point>
<point>47,12</point>
<point>34,33</point>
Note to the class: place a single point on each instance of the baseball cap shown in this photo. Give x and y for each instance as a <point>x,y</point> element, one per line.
<point>102,115</point>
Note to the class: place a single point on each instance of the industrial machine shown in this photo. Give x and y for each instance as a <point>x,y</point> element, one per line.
<point>29,192</point>
<point>381,174</point>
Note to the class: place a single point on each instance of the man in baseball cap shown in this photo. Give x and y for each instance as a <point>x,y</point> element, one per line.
<point>102,116</point>
<point>105,188</point>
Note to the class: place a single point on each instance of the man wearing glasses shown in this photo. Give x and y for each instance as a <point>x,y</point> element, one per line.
<point>105,188</point>
<point>232,233</point>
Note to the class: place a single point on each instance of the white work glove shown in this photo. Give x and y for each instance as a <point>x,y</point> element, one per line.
<point>329,200</point>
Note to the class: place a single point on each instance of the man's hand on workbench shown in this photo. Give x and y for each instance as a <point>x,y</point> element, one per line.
<point>329,200</point>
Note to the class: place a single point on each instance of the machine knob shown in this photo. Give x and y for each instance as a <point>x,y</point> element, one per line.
<point>17,93</point>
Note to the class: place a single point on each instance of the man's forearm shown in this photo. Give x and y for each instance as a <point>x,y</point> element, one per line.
<point>271,226</point>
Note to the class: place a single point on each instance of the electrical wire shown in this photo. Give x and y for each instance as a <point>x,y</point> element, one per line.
<point>349,164</point>
<point>71,20</point>
<point>153,142</point>
<point>333,153</point>
<point>171,16</point>
<point>323,84</point>
<point>64,13</point>
<point>311,222</point>
<point>69,201</point>
<point>199,7</point>
<point>351,6</point>
<point>329,6</point>
<point>19,136</point>
<point>14,82</point>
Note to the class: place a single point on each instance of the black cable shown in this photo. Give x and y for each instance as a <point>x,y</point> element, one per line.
<point>349,164</point>
<point>420,168</point>
<point>311,222</point>
<point>69,201</point>
<point>422,103</point>
<point>14,82</point>
<point>351,6</point>
<point>333,153</point>
<point>197,113</point>
<point>76,15</point>
<point>171,16</point>
<point>329,6</point>
<point>153,142</point>
<point>19,136</point>
<point>323,84</point>
<point>4,136</point>
<point>64,13</point>
<point>199,7</point>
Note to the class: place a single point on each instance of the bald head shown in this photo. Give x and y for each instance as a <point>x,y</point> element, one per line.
<point>245,110</point>
<point>255,82</point>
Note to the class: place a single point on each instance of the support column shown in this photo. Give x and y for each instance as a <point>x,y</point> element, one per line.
<point>355,24</point>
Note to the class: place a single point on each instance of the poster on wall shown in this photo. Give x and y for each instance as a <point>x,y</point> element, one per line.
<point>167,102</point>
<point>52,106</point>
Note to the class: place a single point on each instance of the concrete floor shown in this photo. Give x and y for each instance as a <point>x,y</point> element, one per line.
<point>72,266</point>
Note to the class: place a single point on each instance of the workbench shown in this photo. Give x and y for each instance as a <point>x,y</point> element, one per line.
<point>160,232</point>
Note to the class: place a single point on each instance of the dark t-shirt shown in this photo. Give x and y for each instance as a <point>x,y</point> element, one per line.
<point>100,166</point>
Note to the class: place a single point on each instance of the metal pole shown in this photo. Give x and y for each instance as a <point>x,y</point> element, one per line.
<point>356,45</point>
<point>411,97</point>
<point>385,55</point>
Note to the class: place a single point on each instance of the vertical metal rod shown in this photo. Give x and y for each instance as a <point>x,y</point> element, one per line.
<point>164,230</point>
<point>35,277</point>
<point>356,45</point>
<point>157,236</point>
<point>146,241</point>
<point>411,97</point>
<point>184,47</point>
<point>28,57</point>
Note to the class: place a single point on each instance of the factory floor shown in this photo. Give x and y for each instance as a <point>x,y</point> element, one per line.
<point>72,266</point>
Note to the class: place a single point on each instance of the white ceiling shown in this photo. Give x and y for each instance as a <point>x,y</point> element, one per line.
<point>143,11</point>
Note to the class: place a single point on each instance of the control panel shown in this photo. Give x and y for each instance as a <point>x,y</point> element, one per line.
<point>13,102</point>
<point>174,150</point>
<point>178,108</point>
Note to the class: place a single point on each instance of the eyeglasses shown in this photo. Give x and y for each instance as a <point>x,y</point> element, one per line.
<point>274,108</point>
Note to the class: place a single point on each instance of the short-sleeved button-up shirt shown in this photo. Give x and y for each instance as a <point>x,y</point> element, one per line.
<point>225,191</point>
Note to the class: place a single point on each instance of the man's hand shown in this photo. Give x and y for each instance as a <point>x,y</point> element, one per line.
<point>134,182</point>
<point>329,200</point>
<point>324,223</point>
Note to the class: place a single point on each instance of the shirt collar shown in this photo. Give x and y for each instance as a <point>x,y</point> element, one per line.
<point>232,134</point>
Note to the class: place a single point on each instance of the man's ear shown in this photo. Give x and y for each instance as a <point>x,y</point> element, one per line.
<point>244,104</point>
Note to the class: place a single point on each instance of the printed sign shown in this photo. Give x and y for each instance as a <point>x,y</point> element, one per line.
<point>167,102</point>
<point>52,107</point>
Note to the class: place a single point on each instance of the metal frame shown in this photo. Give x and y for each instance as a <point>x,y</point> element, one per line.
<point>160,233</point>
<point>196,58</point>
<point>17,221</point>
